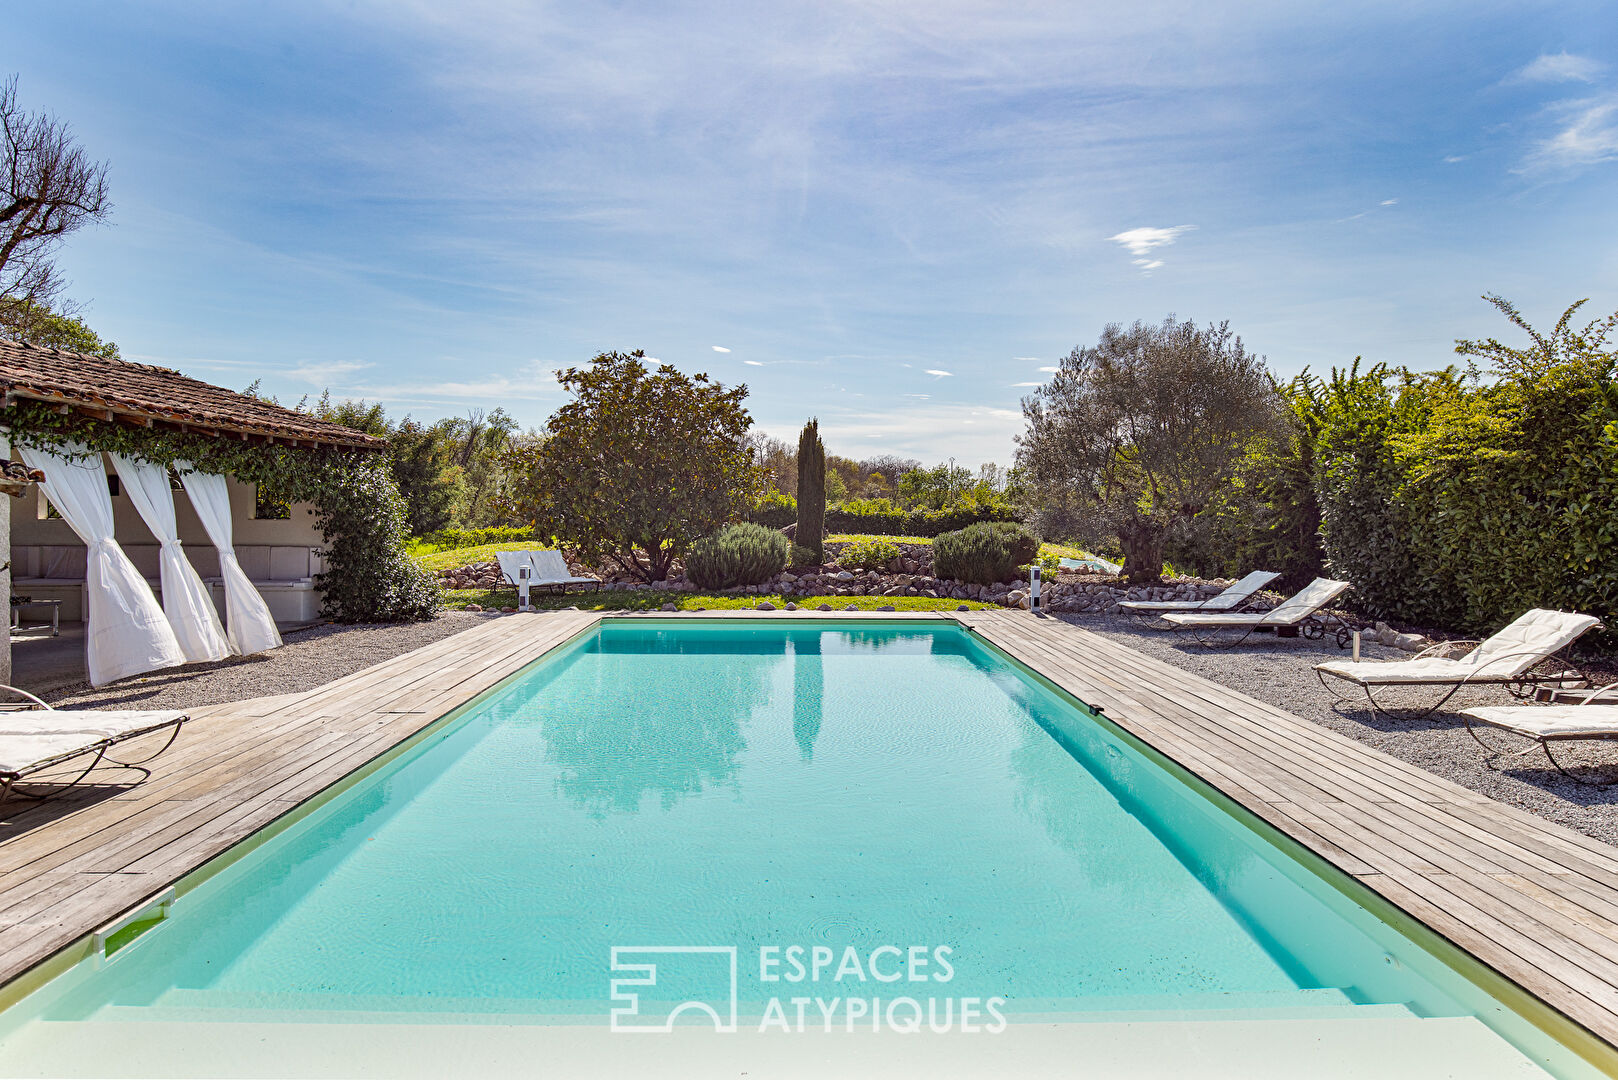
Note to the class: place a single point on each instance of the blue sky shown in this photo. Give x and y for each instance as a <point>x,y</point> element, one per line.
<point>892,215</point>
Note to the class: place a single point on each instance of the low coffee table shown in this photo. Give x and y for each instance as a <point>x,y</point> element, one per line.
<point>20,602</point>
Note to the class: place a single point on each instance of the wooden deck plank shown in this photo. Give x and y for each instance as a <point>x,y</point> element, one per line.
<point>1530,898</point>
<point>1535,901</point>
<point>237,768</point>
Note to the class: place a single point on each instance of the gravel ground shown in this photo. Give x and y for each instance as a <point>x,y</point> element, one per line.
<point>1278,671</point>
<point>311,657</point>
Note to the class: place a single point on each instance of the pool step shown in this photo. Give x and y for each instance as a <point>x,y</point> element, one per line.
<point>1345,1047</point>
<point>211,1005</point>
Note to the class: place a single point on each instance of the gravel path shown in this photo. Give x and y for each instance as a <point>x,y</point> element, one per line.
<point>1278,671</point>
<point>311,657</point>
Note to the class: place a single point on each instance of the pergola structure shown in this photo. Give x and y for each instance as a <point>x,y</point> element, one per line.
<point>233,551</point>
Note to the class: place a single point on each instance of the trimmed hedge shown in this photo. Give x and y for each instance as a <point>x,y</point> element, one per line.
<point>778,514</point>
<point>450,539</point>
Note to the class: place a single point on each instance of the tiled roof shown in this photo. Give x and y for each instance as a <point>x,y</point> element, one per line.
<point>142,392</point>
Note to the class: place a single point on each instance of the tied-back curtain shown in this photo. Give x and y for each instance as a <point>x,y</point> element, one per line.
<point>127,633</point>
<point>248,622</point>
<point>186,601</point>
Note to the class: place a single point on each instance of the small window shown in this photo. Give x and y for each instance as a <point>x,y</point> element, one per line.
<point>47,511</point>
<point>112,484</point>
<point>270,505</point>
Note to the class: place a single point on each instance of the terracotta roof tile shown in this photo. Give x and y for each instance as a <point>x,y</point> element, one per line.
<point>146,391</point>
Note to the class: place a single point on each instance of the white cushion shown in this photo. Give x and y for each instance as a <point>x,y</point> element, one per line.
<point>1531,637</point>
<point>1434,669</point>
<point>30,738</point>
<point>1551,721</point>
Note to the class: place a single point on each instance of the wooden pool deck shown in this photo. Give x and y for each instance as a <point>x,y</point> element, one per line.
<point>1534,901</point>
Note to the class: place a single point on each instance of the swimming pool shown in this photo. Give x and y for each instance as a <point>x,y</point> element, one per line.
<point>818,835</point>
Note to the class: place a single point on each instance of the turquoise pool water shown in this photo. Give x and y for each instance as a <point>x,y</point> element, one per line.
<point>879,791</point>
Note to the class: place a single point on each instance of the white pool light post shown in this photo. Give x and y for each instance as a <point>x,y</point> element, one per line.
<point>1033,587</point>
<point>524,573</point>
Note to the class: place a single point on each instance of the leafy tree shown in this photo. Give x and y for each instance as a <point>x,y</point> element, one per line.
<point>1137,434</point>
<point>48,189</point>
<point>36,324</point>
<point>811,534</point>
<point>638,466</point>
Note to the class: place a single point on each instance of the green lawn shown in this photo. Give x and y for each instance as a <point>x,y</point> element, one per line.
<point>652,600</point>
<point>443,560</point>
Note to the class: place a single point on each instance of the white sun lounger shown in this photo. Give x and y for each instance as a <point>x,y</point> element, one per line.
<point>551,569</point>
<point>1545,724</point>
<point>1508,657</point>
<point>1234,598</point>
<point>1295,611</point>
<point>37,738</point>
<point>511,564</point>
<point>547,570</point>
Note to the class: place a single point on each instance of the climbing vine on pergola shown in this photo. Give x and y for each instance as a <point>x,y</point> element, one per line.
<point>358,510</point>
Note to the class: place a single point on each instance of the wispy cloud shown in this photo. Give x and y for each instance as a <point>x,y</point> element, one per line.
<point>328,372</point>
<point>939,374</point>
<point>1587,134</point>
<point>1021,385</point>
<point>1049,370</point>
<point>1560,67</point>
<point>1141,242</point>
<point>753,363</point>
<point>720,348</point>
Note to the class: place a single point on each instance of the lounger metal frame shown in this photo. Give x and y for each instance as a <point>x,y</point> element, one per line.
<point>1520,685</point>
<point>1544,741</point>
<point>9,780</point>
<point>1313,627</point>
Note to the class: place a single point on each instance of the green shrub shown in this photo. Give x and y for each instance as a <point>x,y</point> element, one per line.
<point>869,554</point>
<point>802,556</point>
<point>984,553</point>
<point>745,554</point>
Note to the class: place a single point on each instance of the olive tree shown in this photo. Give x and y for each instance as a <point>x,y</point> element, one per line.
<point>638,466</point>
<point>1134,435</point>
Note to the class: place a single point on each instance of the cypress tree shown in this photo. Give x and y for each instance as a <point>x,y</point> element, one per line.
<point>812,490</point>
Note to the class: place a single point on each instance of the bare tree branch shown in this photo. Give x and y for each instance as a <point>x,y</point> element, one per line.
<point>48,188</point>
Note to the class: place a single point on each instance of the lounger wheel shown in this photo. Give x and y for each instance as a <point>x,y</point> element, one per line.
<point>1345,636</point>
<point>1312,630</point>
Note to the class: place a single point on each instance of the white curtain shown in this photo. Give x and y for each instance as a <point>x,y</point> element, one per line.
<point>127,633</point>
<point>185,598</point>
<point>248,622</point>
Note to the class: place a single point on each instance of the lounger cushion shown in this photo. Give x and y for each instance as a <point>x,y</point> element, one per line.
<point>1535,634</point>
<point>28,738</point>
<point>1433,669</point>
<point>1552,721</point>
